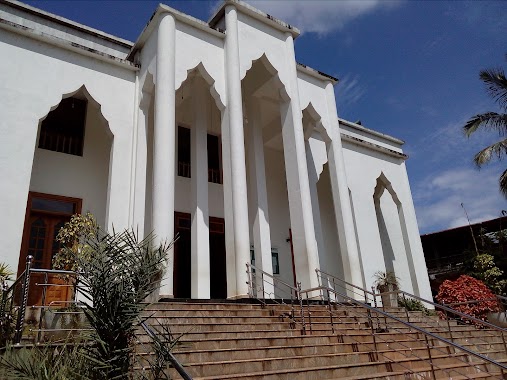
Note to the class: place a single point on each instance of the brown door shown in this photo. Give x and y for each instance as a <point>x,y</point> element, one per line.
<point>182,261</point>
<point>46,214</point>
<point>182,264</point>
<point>218,269</point>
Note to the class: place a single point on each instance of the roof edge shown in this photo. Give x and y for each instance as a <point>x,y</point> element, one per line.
<point>66,22</point>
<point>371,131</point>
<point>255,13</point>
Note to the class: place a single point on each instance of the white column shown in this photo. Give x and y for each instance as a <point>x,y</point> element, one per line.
<point>237,153</point>
<point>200,277</point>
<point>258,196</point>
<point>141,165</point>
<point>301,216</point>
<point>230,257</point>
<point>164,145</point>
<point>341,200</point>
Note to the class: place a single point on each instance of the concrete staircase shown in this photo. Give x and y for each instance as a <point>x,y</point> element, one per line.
<point>248,341</point>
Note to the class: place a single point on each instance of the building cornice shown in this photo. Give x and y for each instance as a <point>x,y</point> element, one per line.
<point>371,131</point>
<point>255,13</point>
<point>66,22</point>
<point>372,146</point>
<point>65,44</point>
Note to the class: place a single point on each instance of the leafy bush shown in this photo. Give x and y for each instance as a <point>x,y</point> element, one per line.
<point>486,270</point>
<point>466,289</point>
<point>7,318</point>
<point>412,304</point>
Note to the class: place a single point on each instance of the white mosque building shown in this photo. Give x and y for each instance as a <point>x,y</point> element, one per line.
<point>207,129</point>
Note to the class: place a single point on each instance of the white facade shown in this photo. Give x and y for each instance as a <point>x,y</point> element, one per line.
<point>293,180</point>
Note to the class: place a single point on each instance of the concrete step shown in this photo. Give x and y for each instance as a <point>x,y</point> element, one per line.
<point>357,370</point>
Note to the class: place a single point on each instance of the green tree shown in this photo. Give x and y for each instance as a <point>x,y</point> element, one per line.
<point>496,85</point>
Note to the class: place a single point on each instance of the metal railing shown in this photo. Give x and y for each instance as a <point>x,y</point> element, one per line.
<point>446,325</point>
<point>15,302</point>
<point>429,342</point>
<point>164,351</point>
<point>268,289</point>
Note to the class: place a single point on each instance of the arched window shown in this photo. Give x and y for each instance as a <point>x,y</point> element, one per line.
<point>63,129</point>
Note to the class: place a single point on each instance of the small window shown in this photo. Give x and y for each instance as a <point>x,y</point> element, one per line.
<point>63,129</point>
<point>184,156</point>
<point>274,259</point>
<point>184,152</point>
<point>214,169</point>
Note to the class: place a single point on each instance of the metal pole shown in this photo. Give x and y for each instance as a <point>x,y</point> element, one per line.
<point>375,304</point>
<point>429,356</point>
<point>405,306</point>
<point>330,311</point>
<point>24,301</point>
<point>300,299</point>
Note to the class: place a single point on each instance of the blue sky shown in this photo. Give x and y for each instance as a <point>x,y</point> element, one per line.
<point>406,68</point>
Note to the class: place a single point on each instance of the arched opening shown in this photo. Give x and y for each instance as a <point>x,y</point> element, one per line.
<point>70,174</point>
<point>393,234</point>
<point>199,264</point>
<point>332,253</point>
<point>269,216</point>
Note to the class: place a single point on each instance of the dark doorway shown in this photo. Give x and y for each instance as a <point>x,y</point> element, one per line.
<point>218,269</point>
<point>182,265</point>
<point>182,261</point>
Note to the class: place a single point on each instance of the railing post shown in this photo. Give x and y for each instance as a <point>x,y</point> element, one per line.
<point>429,356</point>
<point>330,310</point>
<point>375,304</point>
<point>24,301</point>
<point>262,286</point>
<point>405,307</point>
<point>300,299</point>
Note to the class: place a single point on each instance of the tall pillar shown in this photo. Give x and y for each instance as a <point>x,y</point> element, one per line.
<point>339,187</point>
<point>164,145</point>
<point>259,196</point>
<point>237,153</point>
<point>141,164</point>
<point>200,260</point>
<point>300,206</point>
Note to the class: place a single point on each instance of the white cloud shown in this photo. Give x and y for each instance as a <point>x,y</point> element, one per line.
<point>320,16</point>
<point>438,199</point>
<point>349,91</point>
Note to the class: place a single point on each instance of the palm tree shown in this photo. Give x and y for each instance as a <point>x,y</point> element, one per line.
<point>496,85</point>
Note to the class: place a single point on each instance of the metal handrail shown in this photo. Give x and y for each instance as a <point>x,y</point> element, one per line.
<point>445,308</point>
<point>410,326</point>
<point>167,353</point>
<point>328,275</point>
<point>294,293</point>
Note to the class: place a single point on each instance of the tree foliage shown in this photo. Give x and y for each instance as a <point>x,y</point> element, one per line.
<point>496,85</point>
<point>462,293</point>
<point>117,272</point>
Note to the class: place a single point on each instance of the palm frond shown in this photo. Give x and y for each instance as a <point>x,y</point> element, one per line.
<point>503,183</point>
<point>498,150</point>
<point>496,84</point>
<point>488,121</point>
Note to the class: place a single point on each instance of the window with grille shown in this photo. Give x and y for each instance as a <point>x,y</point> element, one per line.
<point>63,129</point>
<point>214,156</point>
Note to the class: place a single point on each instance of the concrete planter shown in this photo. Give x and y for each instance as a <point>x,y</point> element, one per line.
<point>498,319</point>
<point>388,299</point>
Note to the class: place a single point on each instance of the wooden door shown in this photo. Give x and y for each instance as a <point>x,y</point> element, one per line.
<point>46,214</point>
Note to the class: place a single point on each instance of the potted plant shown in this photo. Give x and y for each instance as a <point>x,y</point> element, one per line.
<point>387,284</point>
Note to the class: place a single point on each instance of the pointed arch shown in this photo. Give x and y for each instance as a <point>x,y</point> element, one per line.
<point>200,69</point>
<point>275,77</point>
<point>81,92</point>
<point>384,184</point>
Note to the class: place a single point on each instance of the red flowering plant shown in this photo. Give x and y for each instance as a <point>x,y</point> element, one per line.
<point>462,295</point>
